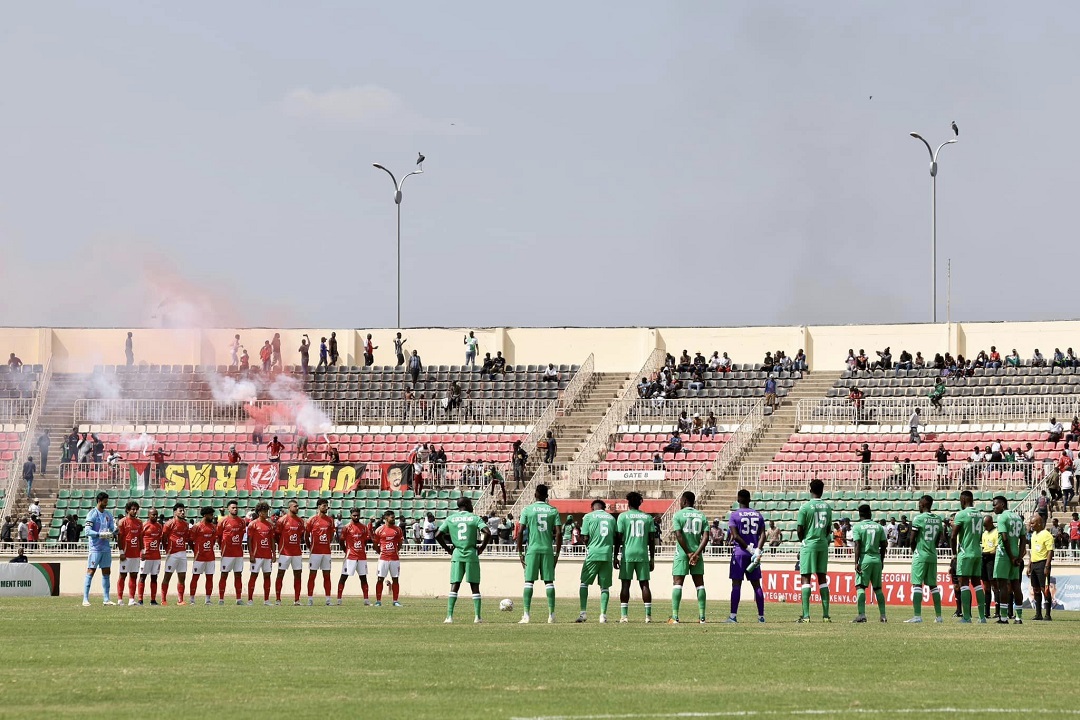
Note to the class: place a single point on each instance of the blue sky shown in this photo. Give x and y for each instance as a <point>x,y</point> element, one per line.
<point>683,163</point>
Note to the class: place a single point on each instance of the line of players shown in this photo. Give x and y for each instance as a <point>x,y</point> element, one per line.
<point>268,542</point>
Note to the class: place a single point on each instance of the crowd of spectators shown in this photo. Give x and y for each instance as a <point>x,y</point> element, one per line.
<point>948,366</point>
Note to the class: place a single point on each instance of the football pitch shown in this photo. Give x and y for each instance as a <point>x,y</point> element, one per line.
<point>59,659</point>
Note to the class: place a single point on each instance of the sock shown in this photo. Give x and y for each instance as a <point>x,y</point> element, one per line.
<point>194,586</point>
<point>648,609</point>
<point>736,595</point>
<point>959,598</point>
<point>1049,604</point>
<point>378,590</point>
<point>476,604</point>
<point>805,590</point>
<point>238,585</point>
<point>997,609</point>
<point>526,597</point>
<point>251,586</point>
<point>605,595</point>
<point>153,587</point>
<point>142,588</point>
<point>860,600</point>
<point>550,590</point>
<point>310,584</point>
<point>879,595</point>
<point>277,587</point>
<point>759,600</point>
<point>120,589</point>
<point>296,584</point>
<point>326,583</point>
<point>916,600</point>
<point>965,602</point>
<point>936,593</point>
<point>984,607</point>
<point>340,590</point>
<point>1036,604</point>
<point>131,585</point>
<point>164,590</point>
<point>583,596</point>
<point>1019,611</point>
<point>451,601</point>
<point>824,590</point>
<point>180,589</point>
<point>676,600</point>
<point>395,588</point>
<point>221,586</point>
<point>86,587</point>
<point>364,586</point>
<point>624,609</point>
<point>105,587</point>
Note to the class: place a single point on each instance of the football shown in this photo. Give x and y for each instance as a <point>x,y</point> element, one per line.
<point>506,604</point>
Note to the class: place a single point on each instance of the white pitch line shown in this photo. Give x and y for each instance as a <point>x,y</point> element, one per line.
<point>774,713</point>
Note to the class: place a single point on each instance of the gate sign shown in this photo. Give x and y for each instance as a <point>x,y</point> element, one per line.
<point>29,579</point>
<point>635,475</point>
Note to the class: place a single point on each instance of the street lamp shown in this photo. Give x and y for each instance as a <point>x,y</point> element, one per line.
<point>397,201</point>
<point>933,213</point>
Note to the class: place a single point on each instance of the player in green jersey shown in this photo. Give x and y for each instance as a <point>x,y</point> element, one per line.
<point>870,545</point>
<point>545,545</point>
<point>691,535</point>
<point>1009,560</point>
<point>463,528</point>
<point>815,532</point>
<point>966,542</point>
<point>598,534</point>
<point>635,536</point>
<point>925,531</point>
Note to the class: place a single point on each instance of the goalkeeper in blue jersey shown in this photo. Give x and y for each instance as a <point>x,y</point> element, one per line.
<point>99,528</point>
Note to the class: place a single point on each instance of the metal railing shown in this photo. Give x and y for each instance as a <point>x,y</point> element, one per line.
<point>667,412</point>
<point>15,410</point>
<point>339,412</point>
<point>29,438</point>
<point>599,442</point>
<point>897,410</point>
<point>890,476</point>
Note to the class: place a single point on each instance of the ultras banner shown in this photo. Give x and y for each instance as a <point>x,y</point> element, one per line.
<point>245,477</point>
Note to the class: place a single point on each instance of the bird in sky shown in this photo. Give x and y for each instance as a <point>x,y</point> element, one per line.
<point>956,130</point>
<point>420,156</point>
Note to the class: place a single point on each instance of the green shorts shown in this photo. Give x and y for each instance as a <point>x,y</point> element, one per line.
<point>1005,570</point>
<point>870,575</point>
<point>681,566</point>
<point>540,566</point>
<point>597,570</point>
<point>813,560</point>
<point>924,571</point>
<point>628,569</point>
<point>467,570</point>
<point>969,567</point>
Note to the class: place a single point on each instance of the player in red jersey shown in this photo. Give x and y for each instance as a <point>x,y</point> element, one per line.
<point>129,539</point>
<point>355,537</point>
<point>203,536</point>
<point>320,532</point>
<point>261,550</point>
<point>389,539</point>
<point>231,541</point>
<point>175,538</point>
<point>290,534</point>
<point>151,555</point>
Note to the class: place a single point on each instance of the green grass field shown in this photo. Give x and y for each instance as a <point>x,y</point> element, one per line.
<point>58,659</point>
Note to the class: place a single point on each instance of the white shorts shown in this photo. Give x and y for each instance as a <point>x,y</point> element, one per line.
<point>177,563</point>
<point>232,565</point>
<point>203,567</point>
<point>284,562</point>
<point>358,567</point>
<point>150,567</point>
<point>130,565</point>
<point>389,567</point>
<point>319,562</point>
<point>260,565</point>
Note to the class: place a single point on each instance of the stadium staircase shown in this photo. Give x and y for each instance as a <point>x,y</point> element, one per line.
<point>719,494</point>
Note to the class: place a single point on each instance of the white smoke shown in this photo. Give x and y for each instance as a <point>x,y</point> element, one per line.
<point>229,390</point>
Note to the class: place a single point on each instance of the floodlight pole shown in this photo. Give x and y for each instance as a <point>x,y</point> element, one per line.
<point>397,201</point>
<point>933,218</point>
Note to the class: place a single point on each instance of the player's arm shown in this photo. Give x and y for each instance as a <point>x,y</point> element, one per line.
<point>440,537</point>
<point>485,538</point>
<point>616,548</point>
<point>652,549</point>
<point>558,537</point>
<point>519,540</point>
<point>883,548</point>
<point>914,542</point>
<point>954,537</point>
<point>1049,562</point>
<point>800,529</point>
<point>1023,548</point>
<point>857,547</point>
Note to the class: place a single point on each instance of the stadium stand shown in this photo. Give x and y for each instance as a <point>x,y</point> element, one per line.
<point>983,382</point>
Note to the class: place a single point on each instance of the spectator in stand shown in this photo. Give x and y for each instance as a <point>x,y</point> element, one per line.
<point>1013,359</point>
<point>129,350</point>
<point>697,427</point>
<point>518,459</point>
<point>15,363</point>
<point>472,348</point>
<point>1058,533</point>
<point>245,361</point>
<point>6,531</point>
<point>1037,360</point>
<point>913,424</point>
<point>891,535</point>
<point>697,378</point>
<point>1074,430</point>
<point>369,351</point>
<point>675,445</point>
<point>275,352</point>
<point>937,394</point>
<point>716,536</point>
<point>862,363</point>
<point>906,362</point>
<point>942,458</point>
<point>837,535</point>
<point>498,365</point>
<point>1070,359</point>
<point>43,443</point>
<point>399,349</point>
<point>24,531</point>
<point>97,448</point>
<point>644,388</point>
<point>301,445</point>
<point>332,455</point>
<point>993,362</point>
<point>487,367</point>
<point>685,363</point>
<point>1058,359</point>
<point>273,450</point>
<point>701,362</point>
<point>416,366</point>
<point>233,457</point>
<point>855,397</point>
<point>884,361</point>
<point>234,352</point>
<point>550,448</point>
<point>266,355</point>
<point>333,349</point>
<point>800,363</point>
<point>724,365</point>
<point>550,374</point>
<point>33,532</point>
<point>768,363</point>
<point>657,462</point>
<point>710,425</point>
<point>158,457</point>
<point>770,392</point>
<point>774,535</point>
<point>865,457</point>
<point>324,359</point>
<point>305,354</point>
<point>1074,532</point>
<point>28,470</point>
<point>684,424</point>
<point>1055,432</point>
<point>850,361</point>
<point>506,529</point>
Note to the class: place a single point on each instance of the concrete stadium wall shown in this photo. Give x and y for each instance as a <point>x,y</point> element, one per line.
<point>615,349</point>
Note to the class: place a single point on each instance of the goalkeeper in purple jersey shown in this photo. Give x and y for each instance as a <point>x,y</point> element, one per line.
<point>747,529</point>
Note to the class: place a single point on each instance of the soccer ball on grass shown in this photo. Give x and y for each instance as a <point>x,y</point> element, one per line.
<point>506,604</point>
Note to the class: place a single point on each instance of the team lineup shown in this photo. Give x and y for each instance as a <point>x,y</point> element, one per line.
<point>625,544</point>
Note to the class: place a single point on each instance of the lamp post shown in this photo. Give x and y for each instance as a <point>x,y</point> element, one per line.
<point>397,201</point>
<point>933,213</point>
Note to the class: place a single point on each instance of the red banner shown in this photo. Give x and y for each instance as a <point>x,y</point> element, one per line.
<point>246,477</point>
<point>396,476</point>
<point>613,506</point>
<point>783,586</point>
